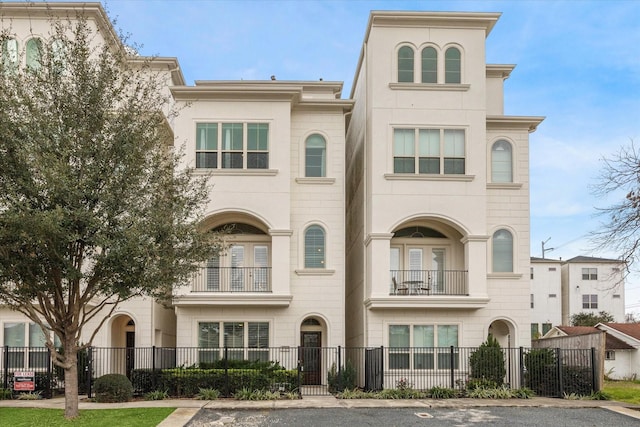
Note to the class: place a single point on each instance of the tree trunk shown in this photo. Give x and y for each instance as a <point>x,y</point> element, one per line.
<point>71,379</point>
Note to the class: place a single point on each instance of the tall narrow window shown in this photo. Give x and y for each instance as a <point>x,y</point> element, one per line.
<point>257,146</point>
<point>58,55</point>
<point>34,53</point>
<point>206,145</point>
<point>234,339</point>
<point>429,151</point>
<point>404,151</point>
<point>258,341</point>
<point>10,54</point>
<point>405,65</point>
<point>314,247</point>
<point>502,252</point>
<point>452,65</point>
<point>501,163</point>
<point>399,343</point>
<point>454,151</point>
<point>429,65</point>
<point>315,156</point>
<point>232,145</point>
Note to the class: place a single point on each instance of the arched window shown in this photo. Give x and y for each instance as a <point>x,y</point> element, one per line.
<point>429,65</point>
<point>34,54</point>
<point>58,55</point>
<point>502,252</point>
<point>405,65</point>
<point>315,156</point>
<point>314,247</point>
<point>501,163</point>
<point>452,66</point>
<point>10,54</point>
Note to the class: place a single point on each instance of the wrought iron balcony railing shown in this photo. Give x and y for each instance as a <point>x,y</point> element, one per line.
<point>232,279</point>
<point>429,282</point>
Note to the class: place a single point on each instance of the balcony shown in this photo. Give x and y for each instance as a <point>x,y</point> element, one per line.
<point>429,282</point>
<point>232,279</point>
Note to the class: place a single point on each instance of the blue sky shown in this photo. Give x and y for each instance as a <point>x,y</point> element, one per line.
<point>578,64</point>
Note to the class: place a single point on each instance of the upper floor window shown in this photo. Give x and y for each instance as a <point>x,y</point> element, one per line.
<point>501,163</point>
<point>502,252</point>
<point>10,54</point>
<point>405,65</point>
<point>314,247</point>
<point>34,53</point>
<point>429,151</point>
<point>429,65</point>
<point>315,156</point>
<point>589,274</point>
<point>232,145</point>
<point>58,55</point>
<point>590,301</point>
<point>452,66</point>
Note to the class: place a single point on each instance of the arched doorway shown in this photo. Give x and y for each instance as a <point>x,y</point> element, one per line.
<point>123,343</point>
<point>311,342</point>
<point>503,331</point>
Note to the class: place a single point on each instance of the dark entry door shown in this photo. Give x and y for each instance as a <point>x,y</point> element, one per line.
<point>130,351</point>
<point>311,357</point>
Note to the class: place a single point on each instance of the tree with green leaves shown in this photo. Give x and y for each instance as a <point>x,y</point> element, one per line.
<point>591,319</point>
<point>487,362</point>
<point>94,209</point>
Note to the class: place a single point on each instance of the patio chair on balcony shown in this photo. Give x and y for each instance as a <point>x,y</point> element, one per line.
<point>399,289</point>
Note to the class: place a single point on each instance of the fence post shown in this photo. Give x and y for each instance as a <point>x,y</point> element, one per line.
<point>339,371</point>
<point>559,372</point>
<point>89,370</point>
<point>521,358</point>
<point>451,365</point>
<point>299,371</point>
<point>6,367</point>
<point>49,377</point>
<point>226,371</point>
<point>381,367</point>
<point>594,371</point>
<point>153,367</point>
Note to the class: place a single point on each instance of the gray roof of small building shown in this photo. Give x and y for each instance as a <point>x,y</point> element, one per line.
<point>590,259</point>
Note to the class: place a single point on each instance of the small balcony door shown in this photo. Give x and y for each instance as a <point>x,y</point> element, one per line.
<point>418,269</point>
<point>244,268</point>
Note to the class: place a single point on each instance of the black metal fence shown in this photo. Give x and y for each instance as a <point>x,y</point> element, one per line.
<point>182,371</point>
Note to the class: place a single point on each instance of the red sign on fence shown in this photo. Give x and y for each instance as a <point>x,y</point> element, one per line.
<point>24,381</point>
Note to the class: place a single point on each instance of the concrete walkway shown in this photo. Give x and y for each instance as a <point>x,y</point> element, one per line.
<point>187,408</point>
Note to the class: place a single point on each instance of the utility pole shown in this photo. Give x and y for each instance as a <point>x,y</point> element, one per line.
<point>545,250</point>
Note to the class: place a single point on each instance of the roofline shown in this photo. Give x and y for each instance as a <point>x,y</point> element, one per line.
<point>388,18</point>
<point>529,123</point>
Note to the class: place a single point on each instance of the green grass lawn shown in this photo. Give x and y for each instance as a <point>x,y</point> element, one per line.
<point>130,417</point>
<point>623,391</point>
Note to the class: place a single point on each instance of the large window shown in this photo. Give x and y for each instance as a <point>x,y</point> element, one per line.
<point>501,163</point>
<point>502,252</point>
<point>232,145</point>
<point>405,65</point>
<point>10,54</point>
<point>315,156</point>
<point>423,346</point>
<point>29,343</point>
<point>429,65</point>
<point>314,247</point>
<point>452,66</point>
<point>244,340</point>
<point>34,54</point>
<point>589,274</point>
<point>429,151</point>
<point>590,301</point>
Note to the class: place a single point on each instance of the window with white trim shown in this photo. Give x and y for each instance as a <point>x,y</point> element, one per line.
<point>429,65</point>
<point>314,247</point>
<point>423,346</point>
<point>452,66</point>
<point>243,341</point>
<point>429,151</point>
<point>589,274</point>
<point>405,65</point>
<point>10,54</point>
<point>590,301</point>
<point>501,162</point>
<point>502,251</point>
<point>34,53</point>
<point>315,156</point>
<point>232,145</point>
<point>26,344</point>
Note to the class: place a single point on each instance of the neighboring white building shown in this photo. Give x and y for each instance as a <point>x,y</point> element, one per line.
<point>592,285</point>
<point>546,295</point>
<point>437,189</point>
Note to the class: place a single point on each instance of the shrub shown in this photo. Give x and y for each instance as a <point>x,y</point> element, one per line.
<point>247,394</point>
<point>356,394</point>
<point>400,393</point>
<point>6,394</point>
<point>156,395</point>
<point>480,383</point>
<point>208,394</point>
<point>345,379</point>
<point>541,375</point>
<point>442,393</point>
<point>487,362</point>
<point>145,380</point>
<point>32,395</point>
<point>523,393</point>
<point>113,388</point>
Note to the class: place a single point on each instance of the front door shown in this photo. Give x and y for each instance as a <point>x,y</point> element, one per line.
<point>311,357</point>
<point>130,351</point>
